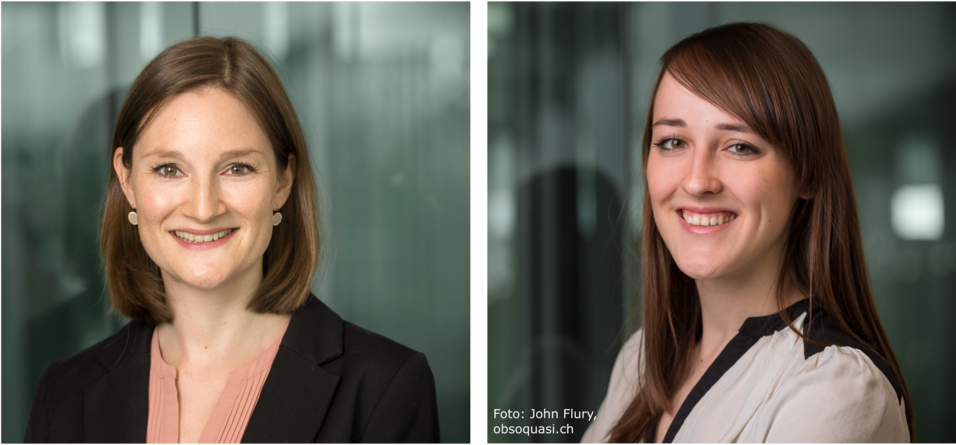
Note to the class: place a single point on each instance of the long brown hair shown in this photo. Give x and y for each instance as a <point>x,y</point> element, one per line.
<point>290,261</point>
<point>771,81</point>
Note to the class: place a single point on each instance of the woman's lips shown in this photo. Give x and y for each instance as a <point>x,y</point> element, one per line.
<point>704,230</point>
<point>206,244</point>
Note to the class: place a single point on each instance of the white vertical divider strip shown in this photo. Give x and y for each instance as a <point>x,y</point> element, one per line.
<point>479,222</point>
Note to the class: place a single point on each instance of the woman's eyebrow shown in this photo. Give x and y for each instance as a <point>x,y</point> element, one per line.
<point>175,154</point>
<point>677,122</point>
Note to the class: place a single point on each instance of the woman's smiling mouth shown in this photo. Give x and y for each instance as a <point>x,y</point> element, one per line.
<point>202,239</point>
<point>705,222</point>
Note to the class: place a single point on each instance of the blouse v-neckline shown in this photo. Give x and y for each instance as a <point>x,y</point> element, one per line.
<point>753,329</point>
<point>228,420</point>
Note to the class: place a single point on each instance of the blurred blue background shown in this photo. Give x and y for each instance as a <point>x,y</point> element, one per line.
<point>568,88</point>
<point>382,91</point>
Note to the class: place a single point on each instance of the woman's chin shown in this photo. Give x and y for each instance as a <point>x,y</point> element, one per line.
<point>700,269</point>
<point>201,278</point>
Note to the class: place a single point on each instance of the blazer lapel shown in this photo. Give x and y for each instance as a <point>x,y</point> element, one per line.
<point>297,393</point>
<point>292,405</point>
<point>116,407</point>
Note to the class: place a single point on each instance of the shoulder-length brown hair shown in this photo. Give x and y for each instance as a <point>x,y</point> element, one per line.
<point>771,81</point>
<point>135,284</point>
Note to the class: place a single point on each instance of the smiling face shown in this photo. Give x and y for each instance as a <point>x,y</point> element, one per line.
<point>203,169</point>
<point>721,194</point>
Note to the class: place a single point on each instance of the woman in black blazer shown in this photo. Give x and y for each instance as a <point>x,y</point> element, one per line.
<point>331,381</point>
<point>210,241</point>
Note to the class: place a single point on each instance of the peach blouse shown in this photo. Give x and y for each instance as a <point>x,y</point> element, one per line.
<point>229,418</point>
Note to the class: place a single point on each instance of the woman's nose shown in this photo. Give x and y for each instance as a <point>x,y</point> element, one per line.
<point>205,203</point>
<point>702,177</point>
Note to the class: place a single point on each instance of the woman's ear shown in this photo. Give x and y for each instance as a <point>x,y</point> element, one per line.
<point>284,183</point>
<point>806,194</point>
<point>123,174</point>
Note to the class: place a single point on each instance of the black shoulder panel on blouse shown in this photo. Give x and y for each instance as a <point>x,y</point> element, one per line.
<point>823,330</point>
<point>755,328</point>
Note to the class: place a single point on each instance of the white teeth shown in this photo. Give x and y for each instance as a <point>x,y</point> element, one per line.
<point>197,239</point>
<point>707,220</point>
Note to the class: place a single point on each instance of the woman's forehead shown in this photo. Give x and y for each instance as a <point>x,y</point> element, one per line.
<point>208,122</point>
<point>676,106</point>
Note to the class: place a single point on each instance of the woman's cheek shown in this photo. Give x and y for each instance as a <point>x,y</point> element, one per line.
<point>659,188</point>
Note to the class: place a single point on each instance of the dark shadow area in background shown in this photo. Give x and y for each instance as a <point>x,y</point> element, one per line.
<point>553,336</point>
<point>573,292</point>
<point>82,310</point>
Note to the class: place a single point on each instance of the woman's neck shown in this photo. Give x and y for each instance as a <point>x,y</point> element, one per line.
<point>226,340</point>
<point>228,347</point>
<point>213,327</point>
<point>725,308</point>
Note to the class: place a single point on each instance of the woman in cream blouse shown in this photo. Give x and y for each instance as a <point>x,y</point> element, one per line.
<point>758,322</point>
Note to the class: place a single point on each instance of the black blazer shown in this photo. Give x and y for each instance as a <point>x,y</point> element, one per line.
<point>331,381</point>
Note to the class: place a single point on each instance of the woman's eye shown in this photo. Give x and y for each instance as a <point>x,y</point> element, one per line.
<point>239,169</point>
<point>742,149</point>
<point>672,144</point>
<point>169,171</point>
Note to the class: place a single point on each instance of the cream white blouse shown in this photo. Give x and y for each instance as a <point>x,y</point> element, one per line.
<point>768,385</point>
